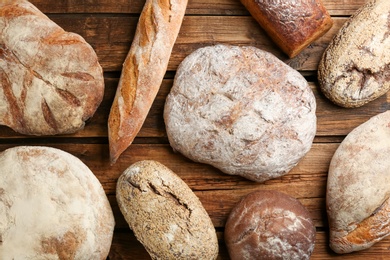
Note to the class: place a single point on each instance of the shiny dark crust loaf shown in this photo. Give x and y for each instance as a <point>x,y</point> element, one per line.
<point>269,225</point>
<point>293,25</point>
<point>355,67</point>
<point>241,110</point>
<point>358,187</point>
<point>165,215</point>
<point>51,80</point>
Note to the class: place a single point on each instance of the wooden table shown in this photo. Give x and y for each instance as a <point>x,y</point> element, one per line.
<point>109,27</point>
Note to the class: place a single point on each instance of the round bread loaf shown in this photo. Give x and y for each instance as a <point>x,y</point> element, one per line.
<point>51,207</point>
<point>164,214</point>
<point>358,187</point>
<point>269,225</point>
<point>241,110</point>
<point>355,67</point>
<point>51,80</point>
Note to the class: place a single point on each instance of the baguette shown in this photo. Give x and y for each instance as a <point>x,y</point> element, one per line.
<point>143,71</point>
<point>292,25</point>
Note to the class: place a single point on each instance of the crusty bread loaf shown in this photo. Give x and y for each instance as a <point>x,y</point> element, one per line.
<point>355,67</point>
<point>51,80</point>
<point>358,187</point>
<point>241,110</point>
<point>51,207</point>
<point>269,225</point>
<point>292,25</point>
<point>143,71</point>
<point>165,215</point>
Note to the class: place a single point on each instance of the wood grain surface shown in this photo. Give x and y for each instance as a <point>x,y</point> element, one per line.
<point>109,27</point>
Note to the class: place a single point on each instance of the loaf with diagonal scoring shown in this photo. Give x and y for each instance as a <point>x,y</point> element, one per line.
<point>51,80</point>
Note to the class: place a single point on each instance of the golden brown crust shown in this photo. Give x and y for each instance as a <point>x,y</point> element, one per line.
<point>143,71</point>
<point>291,25</point>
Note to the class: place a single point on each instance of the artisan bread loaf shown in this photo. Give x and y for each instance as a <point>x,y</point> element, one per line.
<point>51,80</point>
<point>358,187</point>
<point>355,68</point>
<point>165,215</point>
<point>292,25</point>
<point>143,71</point>
<point>241,110</point>
<point>269,225</point>
<point>51,207</point>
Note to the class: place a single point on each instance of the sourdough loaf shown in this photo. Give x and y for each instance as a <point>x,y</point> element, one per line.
<point>51,207</point>
<point>51,80</point>
<point>358,187</point>
<point>143,71</point>
<point>292,25</point>
<point>165,215</point>
<point>355,67</point>
<point>241,110</point>
<point>269,225</point>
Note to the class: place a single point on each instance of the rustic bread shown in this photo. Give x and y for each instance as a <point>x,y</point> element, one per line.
<point>355,68</point>
<point>241,110</point>
<point>292,25</point>
<point>165,215</point>
<point>269,225</point>
<point>143,71</point>
<point>358,187</point>
<point>51,207</point>
<point>51,80</point>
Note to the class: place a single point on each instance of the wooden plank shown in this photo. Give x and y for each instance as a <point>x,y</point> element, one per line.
<point>205,7</point>
<point>111,37</point>
<point>332,120</point>
<point>126,246</point>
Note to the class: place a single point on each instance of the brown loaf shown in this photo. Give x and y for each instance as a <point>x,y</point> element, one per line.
<point>51,80</point>
<point>292,25</point>
<point>143,71</point>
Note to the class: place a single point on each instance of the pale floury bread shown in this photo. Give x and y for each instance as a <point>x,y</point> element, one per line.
<point>355,67</point>
<point>165,215</point>
<point>241,110</point>
<point>51,207</point>
<point>51,80</point>
<point>358,187</point>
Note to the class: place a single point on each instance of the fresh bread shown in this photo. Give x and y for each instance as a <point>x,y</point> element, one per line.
<point>143,71</point>
<point>241,110</point>
<point>51,80</point>
<point>355,68</point>
<point>292,25</point>
<point>269,225</point>
<point>51,207</point>
<point>165,215</point>
<point>358,187</point>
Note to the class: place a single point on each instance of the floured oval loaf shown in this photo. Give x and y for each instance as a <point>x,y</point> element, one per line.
<point>355,67</point>
<point>51,80</point>
<point>269,225</point>
<point>241,110</point>
<point>164,214</point>
<point>51,207</point>
<point>358,187</point>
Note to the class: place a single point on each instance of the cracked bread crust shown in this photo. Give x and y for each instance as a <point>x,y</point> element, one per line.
<point>358,190</point>
<point>164,214</point>
<point>241,110</point>
<point>269,225</point>
<point>355,67</point>
<point>51,80</point>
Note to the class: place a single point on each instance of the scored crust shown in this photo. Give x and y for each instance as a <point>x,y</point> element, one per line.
<point>241,110</point>
<point>51,207</point>
<point>51,80</point>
